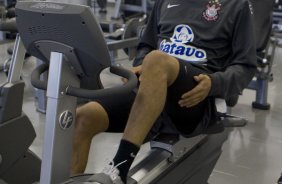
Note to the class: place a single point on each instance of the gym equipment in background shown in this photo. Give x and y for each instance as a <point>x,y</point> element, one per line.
<point>265,51</point>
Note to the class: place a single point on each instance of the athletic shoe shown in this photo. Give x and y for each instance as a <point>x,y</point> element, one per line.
<point>109,175</point>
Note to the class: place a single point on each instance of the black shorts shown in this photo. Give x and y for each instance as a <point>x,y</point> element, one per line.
<point>173,118</point>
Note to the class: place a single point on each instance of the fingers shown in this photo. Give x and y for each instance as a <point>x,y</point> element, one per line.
<point>200,77</point>
<point>191,99</point>
<point>124,80</point>
<point>195,91</point>
<point>137,70</point>
<point>198,93</point>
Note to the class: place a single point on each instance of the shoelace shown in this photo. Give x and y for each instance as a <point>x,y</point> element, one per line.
<point>112,170</point>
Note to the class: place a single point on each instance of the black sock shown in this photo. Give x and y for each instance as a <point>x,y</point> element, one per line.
<point>126,151</point>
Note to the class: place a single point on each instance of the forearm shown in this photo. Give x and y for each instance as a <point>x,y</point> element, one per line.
<point>232,81</point>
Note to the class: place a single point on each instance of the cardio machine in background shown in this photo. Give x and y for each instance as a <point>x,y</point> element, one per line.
<point>17,163</point>
<point>265,45</point>
<point>128,8</point>
<point>7,15</point>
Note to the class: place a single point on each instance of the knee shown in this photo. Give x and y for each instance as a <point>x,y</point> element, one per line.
<point>155,57</point>
<point>158,58</point>
<point>161,65</point>
<point>91,119</point>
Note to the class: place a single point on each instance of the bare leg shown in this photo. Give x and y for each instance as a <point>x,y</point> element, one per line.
<point>91,119</point>
<point>159,71</point>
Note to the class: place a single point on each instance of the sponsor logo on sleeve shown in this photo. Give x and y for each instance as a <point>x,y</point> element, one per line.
<point>251,8</point>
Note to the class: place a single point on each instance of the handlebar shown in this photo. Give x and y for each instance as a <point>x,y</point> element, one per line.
<point>90,94</point>
<point>101,93</point>
<point>35,77</point>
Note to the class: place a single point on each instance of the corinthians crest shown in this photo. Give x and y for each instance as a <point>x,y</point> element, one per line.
<point>211,13</point>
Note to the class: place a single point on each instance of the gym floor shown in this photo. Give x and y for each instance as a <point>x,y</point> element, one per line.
<point>252,154</point>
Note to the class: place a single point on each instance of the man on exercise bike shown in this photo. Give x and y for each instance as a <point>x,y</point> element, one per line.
<point>191,52</point>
